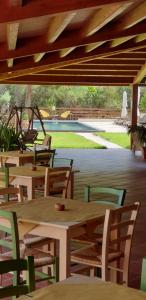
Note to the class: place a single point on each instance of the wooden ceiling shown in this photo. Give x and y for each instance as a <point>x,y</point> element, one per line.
<point>78,42</point>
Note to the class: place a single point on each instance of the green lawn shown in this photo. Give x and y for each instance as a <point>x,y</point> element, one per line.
<point>121,139</point>
<point>70,140</point>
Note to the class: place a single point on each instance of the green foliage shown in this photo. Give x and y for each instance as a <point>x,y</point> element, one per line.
<point>140,130</point>
<point>9,140</point>
<point>65,96</point>
<point>143,100</point>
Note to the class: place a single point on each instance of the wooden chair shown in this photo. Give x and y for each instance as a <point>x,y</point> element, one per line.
<point>114,252</point>
<point>19,287</point>
<point>11,191</point>
<point>56,181</point>
<point>44,157</point>
<point>45,143</point>
<point>101,192</point>
<point>4,177</point>
<point>17,249</point>
<point>143,275</point>
<point>94,194</point>
<point>62,162</point>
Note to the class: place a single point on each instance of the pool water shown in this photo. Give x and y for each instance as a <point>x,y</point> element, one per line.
<point>71,126</point>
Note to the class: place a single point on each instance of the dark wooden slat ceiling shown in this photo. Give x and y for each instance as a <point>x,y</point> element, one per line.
<point>86,42</point>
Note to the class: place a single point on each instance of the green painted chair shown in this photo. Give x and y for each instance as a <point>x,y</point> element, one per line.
<point>62,162</point>
<point>143,275</point>
<point>118,201</point>
<point>19,287</point>
<point>12,248</point>
<point>4,180</point>
<point>116,196</point>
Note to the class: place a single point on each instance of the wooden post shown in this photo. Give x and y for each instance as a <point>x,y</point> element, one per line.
<point>134,107</point>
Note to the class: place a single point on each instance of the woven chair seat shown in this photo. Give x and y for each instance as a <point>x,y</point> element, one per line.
<point>35,241</point>
<point>41,258</point>
<point>89,239</point>
<point>92,255</point>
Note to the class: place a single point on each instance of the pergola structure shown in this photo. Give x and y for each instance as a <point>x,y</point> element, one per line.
<point>86,42</point>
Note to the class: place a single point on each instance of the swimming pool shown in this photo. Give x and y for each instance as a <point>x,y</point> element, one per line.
<point>70,126</point>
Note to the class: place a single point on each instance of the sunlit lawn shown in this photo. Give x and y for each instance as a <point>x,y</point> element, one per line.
<point>121,139</point>
<point>70,140</point>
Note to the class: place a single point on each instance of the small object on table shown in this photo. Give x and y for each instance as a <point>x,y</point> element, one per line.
<point>59,206</point>
<point>34,168</point>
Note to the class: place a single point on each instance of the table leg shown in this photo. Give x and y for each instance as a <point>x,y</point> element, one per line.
<point>64,256</point>
<point>31,189</point>
<point>70,190</point>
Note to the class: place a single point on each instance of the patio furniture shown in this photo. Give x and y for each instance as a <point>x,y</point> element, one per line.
<point>30,178</point>
<point>17,250</point>
<point>114,252</point>
<point>56,181</point>
<point>39,217</point>
<point>44,157</point>
<point>102,192</point>
<point>86,288</point>
<point>66,115</point>
<point>11,191</point>
<point>4,177</point>
<point>18,287</point>
<point>95,194</point>
<point>143,275</point>
<point>46,142</point>
<point>17,158</point>
<point>62,162</point>
<point>28,137</point>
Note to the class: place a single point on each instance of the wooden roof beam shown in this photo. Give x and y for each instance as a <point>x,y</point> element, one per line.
<point>52,61</point>
<point>98,19</point>
<point>120,41</point>
<point>55,28</point>
<point>37,45</point>
<point>33,79</point>
<point>133,17</point>
<point>140,37</point>
<point>141,74</point>
<point>42,8</point>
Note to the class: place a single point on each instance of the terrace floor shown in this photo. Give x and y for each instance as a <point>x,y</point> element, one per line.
<point>115,168</point>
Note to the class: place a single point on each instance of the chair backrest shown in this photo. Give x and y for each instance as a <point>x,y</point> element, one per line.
<point>9,219</point>
<point>65,114</point>
<point>115,196</point>
<point>62,162</point>
<point>18,288</point>
<point>4,177</point>
<point>29,136</point>
<point>117,235</point>
<point>47,141</point>
<point>56,181</point>
<point>6,192</point>
<point>143,275</point>
<point>44,157</point>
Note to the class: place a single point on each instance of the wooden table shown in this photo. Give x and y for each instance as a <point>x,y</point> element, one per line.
<point>24,175</point>
<point>85,288</point>
<point>39,217</point>
<point>16,158</point>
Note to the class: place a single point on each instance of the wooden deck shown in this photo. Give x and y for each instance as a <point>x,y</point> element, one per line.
<point>115,168</point>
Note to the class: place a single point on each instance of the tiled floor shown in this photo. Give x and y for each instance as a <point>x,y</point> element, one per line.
<point>115,168</point>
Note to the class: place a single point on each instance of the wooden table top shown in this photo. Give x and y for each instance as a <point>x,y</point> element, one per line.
<point>86,290</point>
<point>26,171</point>
<point>17,154</point>
<point>42,211</point>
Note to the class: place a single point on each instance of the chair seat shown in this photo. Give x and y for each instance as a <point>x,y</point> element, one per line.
<point>89,239</point>
<point>35,241</point>
<point>92,255</point>
<point>40,258</point>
